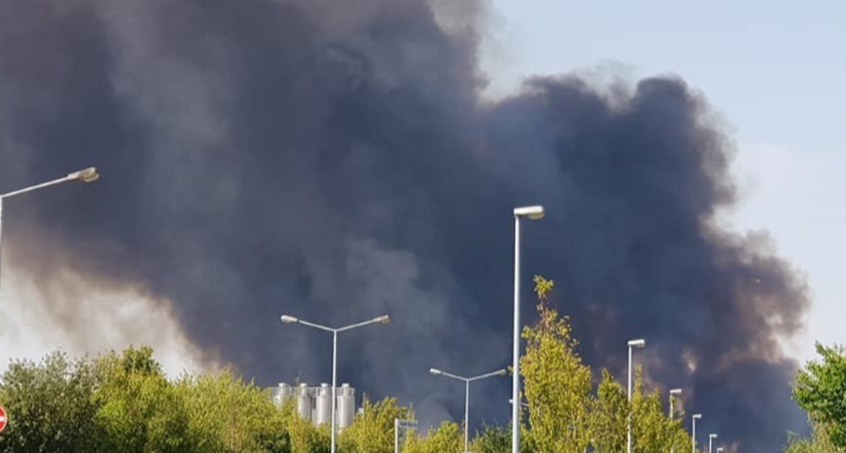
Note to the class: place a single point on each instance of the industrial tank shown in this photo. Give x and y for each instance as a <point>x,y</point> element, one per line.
<point>304,402</point>
<point>281,393</point>
<point>346,406</point>
<point>323,412</point>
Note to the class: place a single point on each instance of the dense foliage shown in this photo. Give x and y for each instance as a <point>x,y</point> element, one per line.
<point>123,403</point>
<point>820,389</point>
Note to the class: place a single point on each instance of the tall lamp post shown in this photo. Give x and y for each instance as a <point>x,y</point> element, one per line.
<point>533,213</point>
<point>673,394</point>
<point>385,319</point>
<point>640,343</point>
<point>88,175</point>
<point>711,442</point>
<point>693,437</point>
<point>467,382</point>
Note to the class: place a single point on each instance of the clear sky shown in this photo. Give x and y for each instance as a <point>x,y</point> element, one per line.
<point>774,70</point>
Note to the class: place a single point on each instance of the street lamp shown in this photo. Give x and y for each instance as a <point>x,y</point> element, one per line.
<point>87,176</point>
<point>533,213</point>
<point>467,382</point>
<point>673,394</point>
<point>693,437</point>
<point>385,319</point>
<point>640,343</point>
<point>720,450</point>
<point>711,442</point>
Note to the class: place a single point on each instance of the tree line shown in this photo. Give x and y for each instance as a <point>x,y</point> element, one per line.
<point>124,403</point>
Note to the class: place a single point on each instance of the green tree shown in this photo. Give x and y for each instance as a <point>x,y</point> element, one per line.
<point>609,416</point>
<point>373,430</point>
<point>304,436</point>
<point>820,389</point>
<point>139,411</point>
<point>651,429</point>
<point>819,442</point>
<point>447,438</point>
<point>227,415</point>
<point>492,439</point>
<point>557,384</point>
<point>49,406</point>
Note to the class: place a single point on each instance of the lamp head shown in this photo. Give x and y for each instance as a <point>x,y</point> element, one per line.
<point>637,343</point>
<point>385,319</point>
<point>88,175</point>
<point>719,449</point>
<point>532,212</point>
<point>712,436</point>
<point>289,319</point>
<point>697,416</point>
<point>676,392</point>
<point>436,371</point>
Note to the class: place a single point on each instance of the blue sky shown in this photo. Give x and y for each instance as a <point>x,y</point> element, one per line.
<point>775,71</point>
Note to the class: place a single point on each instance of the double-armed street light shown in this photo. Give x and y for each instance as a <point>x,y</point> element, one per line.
<point>467,381</point>
<point>385,319</point>
<point>533,213</point>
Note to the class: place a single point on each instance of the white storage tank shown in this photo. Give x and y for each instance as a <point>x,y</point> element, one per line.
<point>281,393</point>
<point>323,412</point>
<point>346,405</point>
<point>304,402</point>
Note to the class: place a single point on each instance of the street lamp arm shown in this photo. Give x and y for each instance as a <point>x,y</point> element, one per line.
<point>453,376</point>
<point>88,175</point>
<point>501,372</point>
<point>35,187</point>
<point>380,320</point>
<point>316,326</point>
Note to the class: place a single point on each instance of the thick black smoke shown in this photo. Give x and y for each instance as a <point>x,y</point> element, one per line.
<point>335,161</point>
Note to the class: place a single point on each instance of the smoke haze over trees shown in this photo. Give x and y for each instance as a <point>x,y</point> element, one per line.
<point>336,161</point>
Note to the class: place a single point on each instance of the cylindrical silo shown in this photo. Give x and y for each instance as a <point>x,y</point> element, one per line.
<point>346,405</point>
<point>323,408</point>
<point>281,393</point>
<point>304,402</point>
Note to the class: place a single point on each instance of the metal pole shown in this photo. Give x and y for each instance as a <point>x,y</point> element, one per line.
<point>710,444</point>
<point>467,417</point>
<point>693,450</point>
<point>334,381</point>
<point>672,446</point>
<point>629,431</point>
<point>671,406</point>
<point>396,435</point>
<point>515,383</point>
<point>1,246</point>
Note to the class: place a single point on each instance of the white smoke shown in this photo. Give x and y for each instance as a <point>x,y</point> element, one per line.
<point>82,318</point>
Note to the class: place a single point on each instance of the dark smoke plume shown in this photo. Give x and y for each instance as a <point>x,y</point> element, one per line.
<point>335,161</point>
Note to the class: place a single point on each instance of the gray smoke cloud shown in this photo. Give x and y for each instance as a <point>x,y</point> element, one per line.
<point>335,161</point>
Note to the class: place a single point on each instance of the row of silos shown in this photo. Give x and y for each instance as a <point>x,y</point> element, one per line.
<point>315,403</point>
